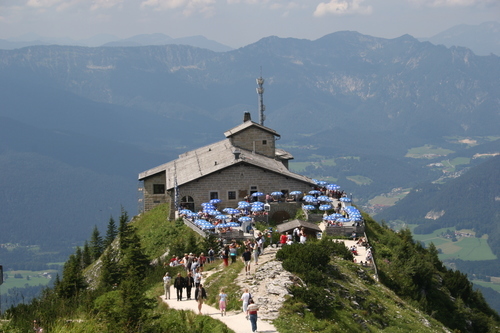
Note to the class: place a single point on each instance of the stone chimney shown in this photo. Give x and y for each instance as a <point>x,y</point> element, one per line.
<point>247,116</point>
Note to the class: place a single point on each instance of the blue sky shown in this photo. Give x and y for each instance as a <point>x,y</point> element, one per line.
<point>238,23</point>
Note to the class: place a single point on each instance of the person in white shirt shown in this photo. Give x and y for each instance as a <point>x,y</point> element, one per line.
<point>167,280</point>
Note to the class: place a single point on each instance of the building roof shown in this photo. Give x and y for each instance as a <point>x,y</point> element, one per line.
<point>246,125</point>
<point>287,226</point>
<point>203,161</point>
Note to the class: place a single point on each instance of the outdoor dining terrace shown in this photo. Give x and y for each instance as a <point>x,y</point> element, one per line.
<point>325,204</point>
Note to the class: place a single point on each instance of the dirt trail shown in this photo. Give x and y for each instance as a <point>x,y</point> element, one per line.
<point>235,320</point>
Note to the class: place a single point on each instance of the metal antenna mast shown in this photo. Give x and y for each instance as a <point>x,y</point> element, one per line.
<point>260,92</point>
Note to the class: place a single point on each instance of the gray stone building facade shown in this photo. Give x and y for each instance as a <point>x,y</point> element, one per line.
<point>247,161</point>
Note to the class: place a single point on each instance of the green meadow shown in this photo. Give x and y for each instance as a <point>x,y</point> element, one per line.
<point>465,248</point>
<point>35,279</point>
<point>427,151</point>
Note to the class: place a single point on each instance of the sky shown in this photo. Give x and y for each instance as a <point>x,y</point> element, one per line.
<point>237,23</point>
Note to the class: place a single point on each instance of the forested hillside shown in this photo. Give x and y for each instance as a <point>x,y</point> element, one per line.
<point>416,292</point>
<point>468,202</point>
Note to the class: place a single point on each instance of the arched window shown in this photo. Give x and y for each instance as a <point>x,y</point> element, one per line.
<point>187,202</point>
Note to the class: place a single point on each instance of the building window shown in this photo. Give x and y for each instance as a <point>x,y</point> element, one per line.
<point>231,195</point>
<point>253,189</point>
<point>187,202</point>
<point>264,142</point>
<point>214,195</point>
<point>158,188</point>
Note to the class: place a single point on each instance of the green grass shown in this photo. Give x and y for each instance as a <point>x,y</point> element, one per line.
<point>360,180</point>
<point>465,248</point>
<point>427,151</point>
<point>494,286</point>
<point>299,166</point>
<point>225,280</point>
<point>35,279</point>
<point>450,165</point>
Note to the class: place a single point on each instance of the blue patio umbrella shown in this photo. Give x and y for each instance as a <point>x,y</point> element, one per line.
<point>191,214</point>
<point>222,217</point>
<point>257,194</point>
<point>329,217</point>
<point>310,198</point>
<point>185,211</point>
<point>200,221</point>
<point>343,219</point>
<point>257,203</point>
<point>314,192</point>
<point>257,208</point>
<point>277,193</point>
<point>207,226</point>
<point>245,219</point>
<point>244,204</point>
<point>325,207</point>
<point>204,204</point>
<point>296,193</point>
<point>323,198</point>
<point>213,212</point>
<point>308,207</point>
<point>215,201</point>
<point>321,183</point>
<point>345,199</point>
<point>332,187</point>
<point>233,224</point>
<point>232,211</point>
<point>221,225</point>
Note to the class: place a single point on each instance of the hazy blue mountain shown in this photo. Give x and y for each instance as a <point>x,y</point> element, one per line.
<point>482,39</point>
<point>162,39</point>
<point>345,94</point>
<point>113,41</point>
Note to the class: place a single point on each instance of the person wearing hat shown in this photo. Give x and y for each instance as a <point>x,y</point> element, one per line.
<point>167,280</point>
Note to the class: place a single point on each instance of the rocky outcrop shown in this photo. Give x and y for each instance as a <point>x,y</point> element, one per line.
<point>269,285</point>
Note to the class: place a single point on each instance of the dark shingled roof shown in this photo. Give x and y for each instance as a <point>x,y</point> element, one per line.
<point>287,226</point>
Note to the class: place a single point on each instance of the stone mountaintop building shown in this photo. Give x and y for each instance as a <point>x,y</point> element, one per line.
<point>247,161</point>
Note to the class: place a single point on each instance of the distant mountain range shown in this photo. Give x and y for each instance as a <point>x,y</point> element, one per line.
<point>110,40</point>
<point>92,118</point>
<point>482,39</point>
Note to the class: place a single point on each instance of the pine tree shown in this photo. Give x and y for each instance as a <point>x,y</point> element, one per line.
<point>110,270</point>
<point>72,281</point>
<point>111,232</point>
<point>134,265</point>
<point>124,230</point>
<point>96,244</point>
<point>86,255</point>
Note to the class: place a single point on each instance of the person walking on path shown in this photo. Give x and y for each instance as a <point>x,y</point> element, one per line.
<point>255,247</point>
<point>247,259</point>
<point>167,279</point>
<point>222,302</point>
<point>197,278</point>
<point>189,283</point>
<point>225,255</point>
<point>179,285</point>
<point>252,314</point>
<point>199,295</point>
<point>245,298</point>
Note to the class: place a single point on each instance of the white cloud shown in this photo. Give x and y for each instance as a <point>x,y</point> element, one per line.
<point>189,6</point>
<point>98,4</point>
<point>42,3</point>
<point>451,3</point>
<point>342,7</point>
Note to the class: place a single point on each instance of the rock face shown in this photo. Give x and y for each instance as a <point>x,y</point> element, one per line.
<point>269,285</point>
